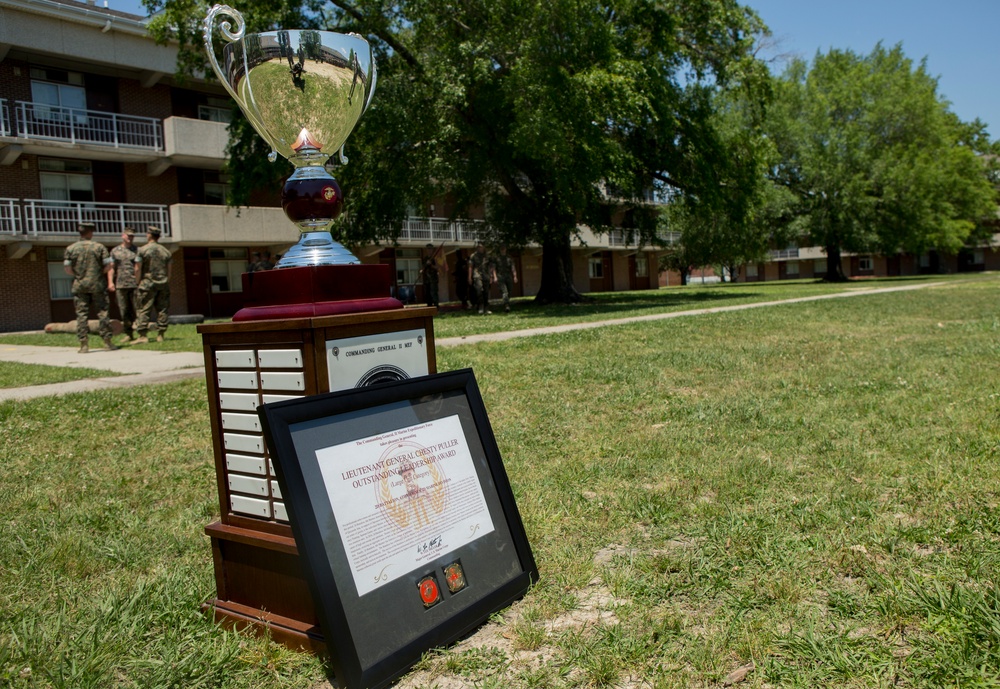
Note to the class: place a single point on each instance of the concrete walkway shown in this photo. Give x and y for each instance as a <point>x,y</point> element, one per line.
<point>145,367</point>
<point>139,367</point>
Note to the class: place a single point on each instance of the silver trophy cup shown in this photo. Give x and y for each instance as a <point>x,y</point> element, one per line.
<point>304,92</point>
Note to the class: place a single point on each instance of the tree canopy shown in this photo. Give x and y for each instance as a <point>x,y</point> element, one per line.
<point>535,109</point>
<point>874,157</point>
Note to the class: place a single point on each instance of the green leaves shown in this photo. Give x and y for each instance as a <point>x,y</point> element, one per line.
<point>877,161</point>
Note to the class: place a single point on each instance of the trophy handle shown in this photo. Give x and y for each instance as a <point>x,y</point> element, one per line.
<point>226,29</point>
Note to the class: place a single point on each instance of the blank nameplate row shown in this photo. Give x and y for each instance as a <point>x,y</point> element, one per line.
<point>234,421</point>
<point>246,465</point>
<point>244,401</point>
<point>239,442</point>
<point>256,507</point>
<point>265,358</point>
<point>269,380</point>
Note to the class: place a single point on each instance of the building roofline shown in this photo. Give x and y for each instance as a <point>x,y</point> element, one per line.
<point>83,13</point>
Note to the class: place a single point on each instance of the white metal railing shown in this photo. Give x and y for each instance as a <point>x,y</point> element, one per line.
<point>784,253</point>
<point>62,217</point>
<point>40,121</point>
<point>5,127</point>
<point>10,217</point>
<point>438,230</point>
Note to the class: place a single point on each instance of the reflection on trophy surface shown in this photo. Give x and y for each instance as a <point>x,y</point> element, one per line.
<point>304,92</point>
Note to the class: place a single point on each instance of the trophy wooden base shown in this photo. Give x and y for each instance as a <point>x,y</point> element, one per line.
<point>311,291</point>
<point>260,583</point>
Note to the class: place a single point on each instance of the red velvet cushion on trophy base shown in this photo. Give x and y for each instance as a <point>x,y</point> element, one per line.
<point>310,291</point>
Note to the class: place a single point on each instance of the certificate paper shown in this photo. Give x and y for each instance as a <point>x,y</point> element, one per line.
<point>403,498</point>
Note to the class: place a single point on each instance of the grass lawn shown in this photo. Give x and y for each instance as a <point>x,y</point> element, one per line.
<point>525,314</point>
<point>14,375</point>
<point>813,489</point>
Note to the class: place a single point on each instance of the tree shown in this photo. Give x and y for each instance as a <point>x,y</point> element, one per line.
<point>875,159</point>
<point>530,107</point>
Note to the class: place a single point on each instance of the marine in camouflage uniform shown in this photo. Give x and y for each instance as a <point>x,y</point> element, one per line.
<point>153,273</point>
<point>481,275</point>
<point>123,258</point>
<point>430,275</point>
<point>506,274</point>
<point>90,265</point>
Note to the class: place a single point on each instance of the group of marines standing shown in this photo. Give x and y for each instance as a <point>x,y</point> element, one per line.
<point>138,277</point>
<point>479,272</point>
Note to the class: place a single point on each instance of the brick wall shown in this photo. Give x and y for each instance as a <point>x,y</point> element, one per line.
<point>141,188</point>
<point>24,291</point>
<point>20,180</point>
<point>134,99</point>
<point>15,76</point>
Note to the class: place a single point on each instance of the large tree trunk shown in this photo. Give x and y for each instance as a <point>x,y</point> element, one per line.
<point>685,275</point>
<point>834,269</point>
<point>557,273</point>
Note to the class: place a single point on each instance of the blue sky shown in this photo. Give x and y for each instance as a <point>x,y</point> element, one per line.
<point>957,38</point>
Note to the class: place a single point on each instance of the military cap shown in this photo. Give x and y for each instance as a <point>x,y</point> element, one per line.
<point>154,230</point>
<point>129,231</point>
<point>86,227</point>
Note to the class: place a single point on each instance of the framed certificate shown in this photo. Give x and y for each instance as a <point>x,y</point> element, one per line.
<point>403,516</point>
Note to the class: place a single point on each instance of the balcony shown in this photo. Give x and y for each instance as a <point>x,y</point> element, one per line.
<point>436,230</point>
<point>56,218</point>
<point>623,239</point>
<point>780,254</point>
<point>40,122</point>
<point>10,218</point>
<point>192,143</point>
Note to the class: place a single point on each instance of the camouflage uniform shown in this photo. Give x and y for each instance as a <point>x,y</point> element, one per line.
<point>125,285</point>
<point>154,289</point>
<point>430,272</point>
<point>88,259</point>
<point>481,265</point>
<point>504,266</point>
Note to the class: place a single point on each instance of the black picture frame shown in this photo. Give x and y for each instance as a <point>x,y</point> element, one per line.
<point>374,636</point>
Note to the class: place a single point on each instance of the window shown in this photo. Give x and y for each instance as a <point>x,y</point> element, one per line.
<point>226,267</point>
<point>216,188</point>
<point>792,269</point>
<point>865,264</point>
<point>925,260</point>
<point>641,266</point>
<point>66,180</point>
<point>751,270</point>
<point>978,257</point>
<point>60,284</point>
<point>216,110</point>
<point>60,90</point>
<point>595,267</point>
<point>407,266</point>
<point>819,266</point>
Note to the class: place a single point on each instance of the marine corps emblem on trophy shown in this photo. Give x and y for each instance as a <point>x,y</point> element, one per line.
<point>304,92</point>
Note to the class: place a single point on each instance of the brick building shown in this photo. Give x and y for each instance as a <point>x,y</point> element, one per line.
<point>94,127</point>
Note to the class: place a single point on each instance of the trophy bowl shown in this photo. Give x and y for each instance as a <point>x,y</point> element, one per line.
<point>303,91</point>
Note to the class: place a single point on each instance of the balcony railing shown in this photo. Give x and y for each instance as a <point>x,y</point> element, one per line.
<point>10,217</point>
<point>43,217</point>
<point>435,230</point>
<point>5,127</point>
<point>40,121</point>
<point>622,238</point>
<point>784,253</point>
